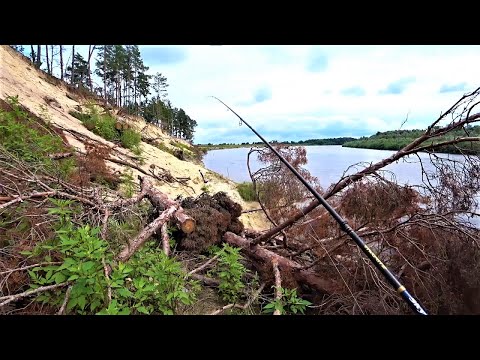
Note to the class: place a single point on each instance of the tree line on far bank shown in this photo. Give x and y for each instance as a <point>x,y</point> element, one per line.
<point>397,139</point>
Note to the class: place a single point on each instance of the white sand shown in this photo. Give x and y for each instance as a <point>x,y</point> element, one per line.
<point>19,77</point>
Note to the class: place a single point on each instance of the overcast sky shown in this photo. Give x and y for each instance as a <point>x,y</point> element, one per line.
<point>304,92</point>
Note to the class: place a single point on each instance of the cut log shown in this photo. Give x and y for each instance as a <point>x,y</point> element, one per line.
<point>307,277</point>
<point>171,210</point>
<point>145,234</point>
<point>160,201</point>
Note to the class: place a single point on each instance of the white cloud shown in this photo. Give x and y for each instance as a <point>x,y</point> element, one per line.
<point>303,102</point>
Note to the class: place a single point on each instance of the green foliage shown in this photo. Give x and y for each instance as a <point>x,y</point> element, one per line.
<point>397,139</point>
<point>289,303</point>
<point>165,148</point>
<point>156,283</point>
<point>230,272</point>
<point>205,188</point>
<point>80,116</point>
<point>246,191</point>
<point>181,145</point>
<point>127,183</point>
<point>22,136</point>
<point>82,251</point>
<point>131,140</point>
<point>150,283</point>
<point>103,124</point>
<point>328,141</point>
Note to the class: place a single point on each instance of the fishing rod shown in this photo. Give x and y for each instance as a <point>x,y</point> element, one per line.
<point>410,300</point>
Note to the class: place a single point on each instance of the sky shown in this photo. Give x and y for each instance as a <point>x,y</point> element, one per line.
<point>304,92</point>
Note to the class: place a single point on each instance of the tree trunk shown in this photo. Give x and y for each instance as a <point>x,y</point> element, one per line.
<point>301,275</point>
<point>61,62</point>
<point>32,54</point>
<point>48,60</point>
<point>90,53</point>
<point>51,59</point>
<point>105,72</point>
<point>72,81</point>
<point>39,53</point>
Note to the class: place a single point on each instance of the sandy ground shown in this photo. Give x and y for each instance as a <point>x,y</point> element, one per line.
<point>19,77</point>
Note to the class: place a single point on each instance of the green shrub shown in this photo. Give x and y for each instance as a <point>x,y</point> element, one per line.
<point>22,136</point>
<point>230,272</point>
<point>165,148</point>
<point>246,191</point>
<point>150,283</point>
<point>289,303</point>
<point>131,139</point>
<point>127,183</point>
<point>105,126</point>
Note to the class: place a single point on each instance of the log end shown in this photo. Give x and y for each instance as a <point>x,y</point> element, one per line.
<point>188,225</point>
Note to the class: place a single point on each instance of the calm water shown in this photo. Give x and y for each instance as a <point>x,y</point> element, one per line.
<point>327,163</point>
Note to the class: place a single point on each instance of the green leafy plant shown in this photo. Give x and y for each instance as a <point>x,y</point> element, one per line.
<point>131,140</point>
<point>205,188</point>
<point>156,283</point>
<point>127,183</point>
<point>289,303</point>
<point>230,271</point>
<point>150,283</point>
<point>82,251</point>
<point>246,191</point>
<point>19,136</point>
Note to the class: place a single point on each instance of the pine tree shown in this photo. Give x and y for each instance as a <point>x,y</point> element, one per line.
<point>80,73</point>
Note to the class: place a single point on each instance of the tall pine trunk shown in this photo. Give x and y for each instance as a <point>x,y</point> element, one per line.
<point>48,60</point>
<point>61,62</point>
<point>73,65</point>
<point>39,53</point>
<point>51,59</point>
<point>90,53</point>
<point>32,54</point>
<point>105,72</point>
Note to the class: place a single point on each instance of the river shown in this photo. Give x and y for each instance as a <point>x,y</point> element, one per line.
<point>326,162</point>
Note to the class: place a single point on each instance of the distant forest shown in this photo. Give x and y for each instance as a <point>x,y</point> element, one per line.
<point>397,139</point>
<point>329,141</point>
<point>124,81</point>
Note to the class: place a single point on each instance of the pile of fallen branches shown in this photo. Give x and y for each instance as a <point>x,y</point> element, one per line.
<point>415,230</point>
<point>425,235</point>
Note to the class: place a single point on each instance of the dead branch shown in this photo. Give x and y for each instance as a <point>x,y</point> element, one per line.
<point>206,280</point>
<point>278,284</point>
<point>54,193</point>
<point>165,239</point>
<point>103,233</point>
<point>8,299</point>
<point>59,156</point>
<point>145,234</point>
<point>65,301</point>
<point>242,307</point>
<point>200,268</point>
<point>106,271</point>
<point>160,201</point>
<point>413,147</point>
<point>30,266</point>
<point>308,277</point>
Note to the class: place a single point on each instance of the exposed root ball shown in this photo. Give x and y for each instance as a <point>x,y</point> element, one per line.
<point>214,215</point>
